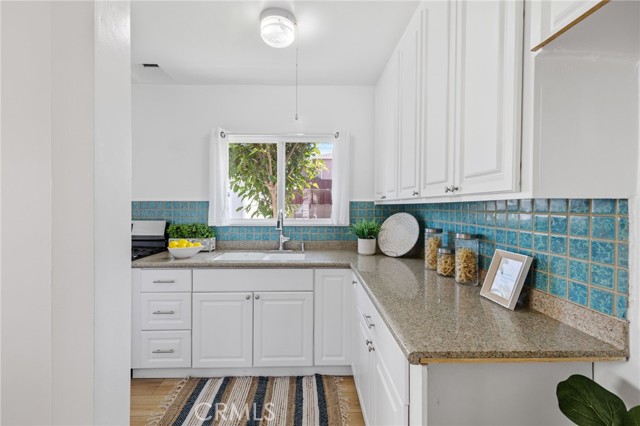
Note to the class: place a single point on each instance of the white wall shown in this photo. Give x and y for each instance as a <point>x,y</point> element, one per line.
<point>26,217</point>
<point>112,200</point>
<point>72,175</point>
<point>172,127</point>
<point>59,167</point>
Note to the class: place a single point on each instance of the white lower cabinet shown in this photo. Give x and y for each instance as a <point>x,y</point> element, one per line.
<point>380,369</point>
<point>222,329</point>
<point>362,371</point>
<point>166,349</point>
<point>333,309</point>
<point>283,329</point>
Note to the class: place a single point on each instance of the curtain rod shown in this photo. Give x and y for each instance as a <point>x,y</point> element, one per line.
<point>335,135</point>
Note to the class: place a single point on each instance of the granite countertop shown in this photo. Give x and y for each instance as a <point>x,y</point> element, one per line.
<point>433,319</point>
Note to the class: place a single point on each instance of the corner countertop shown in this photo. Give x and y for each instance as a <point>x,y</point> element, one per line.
<point>433,319</point>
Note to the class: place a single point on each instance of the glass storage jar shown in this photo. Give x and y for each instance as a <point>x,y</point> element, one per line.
<point>467,259</point>
<point>446,262</point>
<point>432,242</point>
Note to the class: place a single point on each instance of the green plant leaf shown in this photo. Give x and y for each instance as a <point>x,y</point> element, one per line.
<point>366,229</point>
<point>632,417</point>
<point>586,403</point>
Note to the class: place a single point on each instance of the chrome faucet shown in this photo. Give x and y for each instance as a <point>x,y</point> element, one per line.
<point>280,227</point>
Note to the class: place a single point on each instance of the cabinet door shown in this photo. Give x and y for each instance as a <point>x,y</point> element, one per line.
<point>283,329</point>
<point>333,312</point>
<point>385,408</point>
<point>438,99</point>
<point>410,55</point>
<point>222,329</point>
<point>551,18</point>
<point>488,80</point>
<point>362,370</point>
<point>386,138</point>
<point>379,143</point>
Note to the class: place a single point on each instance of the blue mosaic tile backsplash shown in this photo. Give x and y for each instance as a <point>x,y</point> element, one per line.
<point>580,247</point>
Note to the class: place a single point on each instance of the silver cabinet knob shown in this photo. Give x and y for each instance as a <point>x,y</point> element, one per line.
<point>383,197</point>
<point>247,297</point>
<point>371,349</point>
<point>354,282</point>
<point>415,193</point>
<point>454,188</point>
<point>257,296</point>
<point>446,189</point>
<point>368,342</point>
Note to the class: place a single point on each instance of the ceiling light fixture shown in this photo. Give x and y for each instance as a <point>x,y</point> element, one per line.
<point>277,27</point>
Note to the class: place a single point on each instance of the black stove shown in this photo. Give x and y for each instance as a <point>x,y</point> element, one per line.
<point>148,237</point>
<point>140,252</point>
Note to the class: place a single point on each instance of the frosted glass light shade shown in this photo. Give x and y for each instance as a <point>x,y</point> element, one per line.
<point>277,28</point>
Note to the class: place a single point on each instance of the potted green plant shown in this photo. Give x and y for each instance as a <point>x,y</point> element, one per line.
<point>367,232</point>
<point>586,403</point>
<point>193,232</point>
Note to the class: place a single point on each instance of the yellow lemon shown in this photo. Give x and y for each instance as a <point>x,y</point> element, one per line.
<point>197,244</point>
<point>173,244</point>
<point>182,244</point>
<point>189,245</point>
<point>182,241</point>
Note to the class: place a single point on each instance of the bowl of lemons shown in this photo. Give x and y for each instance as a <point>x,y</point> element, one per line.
<point>183,249</point>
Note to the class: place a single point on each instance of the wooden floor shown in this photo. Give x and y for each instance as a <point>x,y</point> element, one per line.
<point>148,394</point>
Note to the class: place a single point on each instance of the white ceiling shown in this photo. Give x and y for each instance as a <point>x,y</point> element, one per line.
<point>218,42</point>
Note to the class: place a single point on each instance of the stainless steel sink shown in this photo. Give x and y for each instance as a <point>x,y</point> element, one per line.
<point>257,256</point>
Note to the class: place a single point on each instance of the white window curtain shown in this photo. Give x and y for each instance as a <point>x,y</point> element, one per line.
<point>341,180</point>
<point>218,177</point>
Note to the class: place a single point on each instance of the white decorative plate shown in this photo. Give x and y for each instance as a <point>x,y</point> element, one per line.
<point>398,235</point>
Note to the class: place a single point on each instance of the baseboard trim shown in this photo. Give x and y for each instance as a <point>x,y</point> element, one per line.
<point>174,373</point>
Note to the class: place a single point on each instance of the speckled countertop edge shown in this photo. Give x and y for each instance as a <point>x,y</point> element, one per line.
<point>349,260</point>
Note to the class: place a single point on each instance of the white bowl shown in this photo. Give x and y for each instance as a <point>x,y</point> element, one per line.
<point>183,253</point>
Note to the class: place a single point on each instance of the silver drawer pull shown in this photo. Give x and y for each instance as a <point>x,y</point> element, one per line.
<point>162,351</point>
<point>164,282</point>
<point>366,321</point>
<point>164,312</point>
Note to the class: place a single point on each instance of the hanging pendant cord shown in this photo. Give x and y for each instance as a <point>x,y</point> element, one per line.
<point>297,46</point>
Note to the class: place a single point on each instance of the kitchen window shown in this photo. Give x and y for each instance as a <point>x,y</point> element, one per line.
<point>300,175</point>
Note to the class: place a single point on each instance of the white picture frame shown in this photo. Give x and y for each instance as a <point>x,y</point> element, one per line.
<point>505,278</point>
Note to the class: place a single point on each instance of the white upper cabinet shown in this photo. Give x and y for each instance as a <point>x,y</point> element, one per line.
<point>438,98</point>
<point>410,55</point>
<point>551,18</point>
<point>459,83</point>
<point>580,107</point>
<point>488,88</point>
<point>386,137</point>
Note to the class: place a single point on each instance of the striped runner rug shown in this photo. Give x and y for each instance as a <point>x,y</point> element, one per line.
<point>255,401</point>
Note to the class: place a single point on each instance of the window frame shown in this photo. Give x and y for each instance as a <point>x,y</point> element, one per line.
<point>281,141</point>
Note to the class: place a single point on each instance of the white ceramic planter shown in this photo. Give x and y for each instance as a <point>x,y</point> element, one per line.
<point>367,246</point>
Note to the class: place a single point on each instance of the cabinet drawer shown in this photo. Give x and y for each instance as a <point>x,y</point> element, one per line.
<point>387,349</point>
<point>207,280</point>
<point>165,280</point>
<point>162,349</point>
<point>165,311</point>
